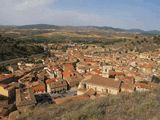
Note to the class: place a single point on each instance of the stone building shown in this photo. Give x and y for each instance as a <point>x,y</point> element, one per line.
<point>54,86</point>
<point>25,99</point>
<point>105,70</point>
<point>100,85</point>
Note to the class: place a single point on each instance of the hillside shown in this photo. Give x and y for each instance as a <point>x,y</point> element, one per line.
<point>136,106</point>
<point>11,48</point>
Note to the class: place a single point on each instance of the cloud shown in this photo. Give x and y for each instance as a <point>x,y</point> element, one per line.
<point>30,4</point>
<point>24,4</point>
<point>42,11</point>
<point>21,11</point>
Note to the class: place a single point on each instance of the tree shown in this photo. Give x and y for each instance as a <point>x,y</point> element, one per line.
<point>136,37</point>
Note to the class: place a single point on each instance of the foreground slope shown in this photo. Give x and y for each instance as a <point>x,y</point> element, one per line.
<point>136,106</point>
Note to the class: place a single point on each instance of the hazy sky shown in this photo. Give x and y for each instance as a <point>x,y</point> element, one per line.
<point>144,14</point>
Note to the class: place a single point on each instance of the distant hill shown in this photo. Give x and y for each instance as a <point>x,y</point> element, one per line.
<point>80,28</point>
<point>46,26</point>
<point>136,30</point>
<point>38,26</point>
<point>76,28</point>
<point>154,32</point>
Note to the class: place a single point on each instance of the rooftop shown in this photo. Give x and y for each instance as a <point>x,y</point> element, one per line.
<point>105,82</point>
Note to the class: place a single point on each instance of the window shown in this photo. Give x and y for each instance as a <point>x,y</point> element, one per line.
<point>106,90</point>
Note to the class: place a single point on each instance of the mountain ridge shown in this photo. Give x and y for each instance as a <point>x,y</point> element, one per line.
<point>106,28</point>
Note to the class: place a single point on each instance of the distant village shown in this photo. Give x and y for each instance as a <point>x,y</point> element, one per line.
<point>79,72</point>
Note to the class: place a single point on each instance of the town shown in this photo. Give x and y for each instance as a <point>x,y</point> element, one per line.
<point>79,59</point>
<point>82,71</point>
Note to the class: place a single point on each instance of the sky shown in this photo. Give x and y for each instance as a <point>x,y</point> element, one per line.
<point>128,14</point>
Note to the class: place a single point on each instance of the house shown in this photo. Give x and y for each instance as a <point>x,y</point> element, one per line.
<point>70,75</point>
<point>139,77</point>
<point>54,86</point>
<point>96,71</point>
<point>68,70</point>
<point>105,70</point>
<point>74,80</point>
<point>100,85</point>
<point>126,79</point>
<point>25,99</point>
<point>7,78</point>
<point>141,87</point>
<point>39,88</point>
<point>146,68</point>
<point>54,72</point>
<point>114,74</point>
<point>127,87</point>
<point>83,68</point>
<point>7,90</point>
<point>145,86</point>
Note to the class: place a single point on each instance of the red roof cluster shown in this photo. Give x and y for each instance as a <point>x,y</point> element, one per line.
<point>147,65</point>
<point>39,88</point>
<point>68,70</point>
<point>50,80</point>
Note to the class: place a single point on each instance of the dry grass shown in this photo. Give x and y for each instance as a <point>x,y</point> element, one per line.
<point>137,106</point>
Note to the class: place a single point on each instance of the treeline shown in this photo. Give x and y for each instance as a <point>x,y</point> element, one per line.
<point>81,40</point>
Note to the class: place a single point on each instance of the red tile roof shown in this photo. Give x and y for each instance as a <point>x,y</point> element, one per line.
<point>5,76</point>
<point>39,88</point>
<point>67,74</point>
<point>142,85</point>
<point>147,65</point>
<point>113,73</point>
<point>68,70</point>
<point>50,80</point>
<point>68,66</point>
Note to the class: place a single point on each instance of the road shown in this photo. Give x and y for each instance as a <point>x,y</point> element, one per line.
<point>12,61</point>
